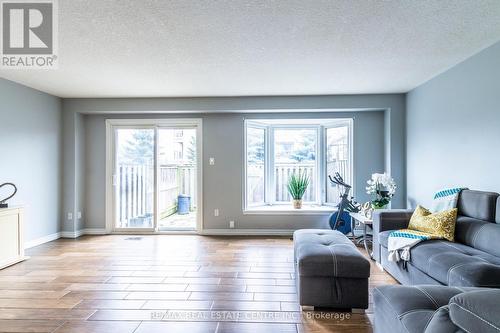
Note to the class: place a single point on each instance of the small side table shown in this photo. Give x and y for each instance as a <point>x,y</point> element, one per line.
<point>366,222</point>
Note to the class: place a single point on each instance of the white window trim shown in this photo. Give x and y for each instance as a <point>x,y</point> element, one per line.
<point>272,207</point>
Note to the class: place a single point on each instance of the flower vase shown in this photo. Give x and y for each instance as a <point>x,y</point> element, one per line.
<point>378,206</point>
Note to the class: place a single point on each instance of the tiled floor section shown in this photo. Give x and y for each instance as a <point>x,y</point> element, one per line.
<point>164,283</point>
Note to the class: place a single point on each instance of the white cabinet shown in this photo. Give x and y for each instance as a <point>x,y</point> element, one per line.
<point>11,236</point>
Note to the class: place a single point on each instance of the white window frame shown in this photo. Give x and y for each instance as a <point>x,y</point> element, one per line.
<point>266,165</point>
<point>350,141</point>
<point>321,178</point>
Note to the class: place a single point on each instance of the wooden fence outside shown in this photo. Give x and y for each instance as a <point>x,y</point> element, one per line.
<point>282,173</point>
<point>135,189</point>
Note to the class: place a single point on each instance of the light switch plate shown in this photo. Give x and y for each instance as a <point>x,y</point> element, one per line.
<point>211,161</point>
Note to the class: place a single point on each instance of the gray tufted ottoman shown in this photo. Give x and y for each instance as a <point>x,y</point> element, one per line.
<point>330,271</point>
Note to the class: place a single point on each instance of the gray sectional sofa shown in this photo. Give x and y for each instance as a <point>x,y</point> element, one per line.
<point>447,286</point>
<point>473,260</point>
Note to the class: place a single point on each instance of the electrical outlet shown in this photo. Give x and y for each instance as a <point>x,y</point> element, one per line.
<point>211,161</point>
<point>216,212</point>
<point>79,215</point>
<point>231,224</point>
<point>70,216</point>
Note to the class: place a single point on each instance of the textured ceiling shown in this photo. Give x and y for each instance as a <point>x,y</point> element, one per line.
<point>241,48</point>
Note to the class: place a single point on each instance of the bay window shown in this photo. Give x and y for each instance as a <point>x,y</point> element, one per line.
<point>275,149</point>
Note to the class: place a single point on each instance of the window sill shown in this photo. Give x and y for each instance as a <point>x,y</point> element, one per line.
<point>289,210</point>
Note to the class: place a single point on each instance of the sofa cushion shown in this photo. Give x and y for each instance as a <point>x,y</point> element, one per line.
<point>412,307</point>
<point>477,204</point>
<point>328,253</point>
<point>453,263</point>
<point>476,311</point>
<point>478,274</point>
<point>456,264</point>
<point>466,229</point>
<point>479,234</point>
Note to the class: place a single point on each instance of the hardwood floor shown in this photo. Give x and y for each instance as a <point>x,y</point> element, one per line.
<point>164,283</point>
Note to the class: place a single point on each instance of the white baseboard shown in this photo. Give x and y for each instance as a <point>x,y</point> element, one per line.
<point>41,240</point>
<point>63,234</point>
<point>247,232</point>
<point>78,233</point>
<point>71,234</point>
<point>206,232</point>
<point>95,231</point>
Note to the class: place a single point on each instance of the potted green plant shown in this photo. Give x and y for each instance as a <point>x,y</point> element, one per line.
<point>297,186</point>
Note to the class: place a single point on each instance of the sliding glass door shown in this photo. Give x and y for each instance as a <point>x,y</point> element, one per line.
<point>134,178</point>
<point>155,183</point>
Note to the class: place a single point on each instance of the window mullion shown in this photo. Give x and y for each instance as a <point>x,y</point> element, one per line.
<point>269,156</point>
<point>321,166</point>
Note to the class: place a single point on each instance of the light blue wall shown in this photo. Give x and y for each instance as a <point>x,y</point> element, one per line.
<point>375,150</point>
<point>223,183</point>
<point>58,160</point>
<point>30,154</point>
<point>73,173</point>
<point>453,129</point>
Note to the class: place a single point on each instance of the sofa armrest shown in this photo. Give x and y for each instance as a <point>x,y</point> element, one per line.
<point>391,219</point>
<point>388,219</point>
<point>441,322</point>
<point>476,311</point>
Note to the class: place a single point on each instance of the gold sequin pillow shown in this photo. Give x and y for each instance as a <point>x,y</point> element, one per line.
<point>440,224</point>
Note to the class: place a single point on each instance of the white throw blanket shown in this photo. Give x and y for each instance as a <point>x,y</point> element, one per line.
<point>446,199</point>
<point>401,241</point>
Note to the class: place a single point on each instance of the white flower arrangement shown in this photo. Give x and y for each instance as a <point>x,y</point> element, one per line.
<point>382,187</point>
